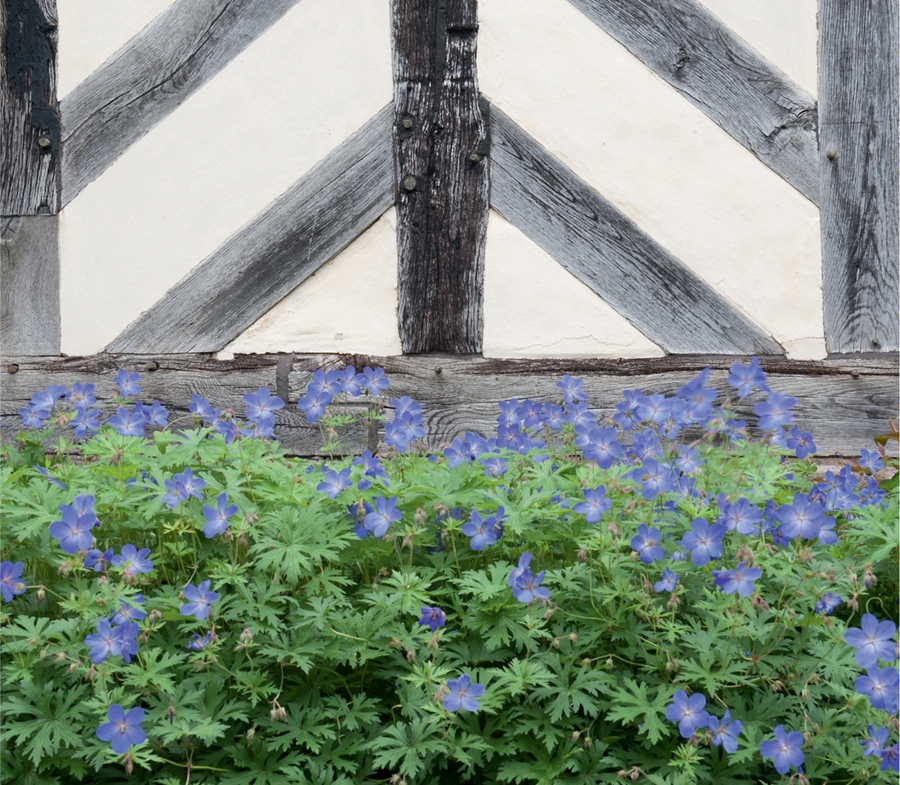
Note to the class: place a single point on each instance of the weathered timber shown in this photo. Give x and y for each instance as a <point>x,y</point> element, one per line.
<point>153,74</point>
<point>859,146</point>
<point>844,401</point>
<point>721,75</point>
<point>29,114</point>
<point>440,148</point>
<point>29,295</point>
<point>323,212</point>
<point>603,248</point>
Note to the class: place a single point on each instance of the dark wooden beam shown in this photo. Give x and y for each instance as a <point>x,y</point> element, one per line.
<point>324,211</point>
<point>440,148</point>
<point>859,128</point>
<point>721,75</point>
<point>152,75</point>
<point>844,402</point>
<point>29,115</point>
<point>603,248</point>
<point>29,270</point>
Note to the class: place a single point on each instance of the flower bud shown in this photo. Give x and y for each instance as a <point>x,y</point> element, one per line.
<point>613,530</point>
<point>573,637</point>
<point>609,661</point>
<point>673,602</point>
<point>805,556</point>
<point>59,657</point>
<point>63,569</point>
<point>420,517</point>
<point>441,694</point>
<point>129,764</point>
<point>41,593</point>
<point>410,655</point>
<point>555,643</point>
<point>582,555</point>
<point>246,636</point>
<point>91,674</point>
<point>154,616</point>
<point>575,736</point>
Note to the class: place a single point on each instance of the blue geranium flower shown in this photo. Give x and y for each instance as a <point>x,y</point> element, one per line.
<point>335,482</point>
<point>10,585</point>
<point>666,581</point>
<point>386,513</point>
<point>873,641</point>
<point>688,712</point>
<point>127,383</point>
<point>739,580</point>
<point>747,377</point>
<point>724,732</point>
<point>785,749</point>
<point>74,530</point>
<point>372,381</point>
<point>572,389</point>
<point>463,694</point>
<point>775,412</point>
<point>880,684</point>
<point>433,617</point>
<point>827,603</point>
<point>128,423</point>
<point>646,543</point>
<point>261,402</point>
<point>217,517</point>
<point>132,561</point>
<point>483,533</point>
<point>199,600</point>
<point>123,729</point>
<point>594,504</point>
<point>704,541</point>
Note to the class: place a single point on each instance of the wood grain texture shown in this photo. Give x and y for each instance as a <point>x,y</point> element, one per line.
<point>721,75</point>
<point>323,212</point>
<point>442,175</point>
<point>29,284</point>
<point>859,138</point>
<point>604,249</point>
<point>153,74</point>
<point>29,114</point>
<point>844,402</point>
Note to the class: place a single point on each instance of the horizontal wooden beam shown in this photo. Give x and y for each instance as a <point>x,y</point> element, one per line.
<point>29,114</point>
<point>844,402</point>
<point>607,251</point>
<point>151,76</point>
<point>721,75</point>
<point>859,137</point>
<point>323,212</point>
<point>29,270</point>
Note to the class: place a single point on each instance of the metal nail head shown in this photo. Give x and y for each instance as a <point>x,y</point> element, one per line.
<point>831,154</point>
<point>474,159</point>
<point>12,368</point>
<point>407,122</point>
<point>409,183</point>
<point>44,142</point>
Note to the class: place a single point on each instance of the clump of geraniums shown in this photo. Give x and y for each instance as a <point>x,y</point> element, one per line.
<point>642,594</point>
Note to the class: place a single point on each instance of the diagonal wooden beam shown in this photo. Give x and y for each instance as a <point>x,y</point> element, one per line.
<point>859,137</point>
<point>305,227</point>
<point>721,75</point>
<point>603,248</point>
<point>440,144</point>
<point>151,76</point>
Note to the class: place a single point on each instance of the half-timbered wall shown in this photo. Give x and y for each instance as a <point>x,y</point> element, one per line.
<point>561,180</point>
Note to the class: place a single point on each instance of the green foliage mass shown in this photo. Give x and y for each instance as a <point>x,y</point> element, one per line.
<point>317,670</point>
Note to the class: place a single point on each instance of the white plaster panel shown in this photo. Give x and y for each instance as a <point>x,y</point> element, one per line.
<point>785,32</point>
<point>534,307</point>
<point>661,161</point>
<point>91,31</point>
<point>217,161</point>
<point>348,305</point>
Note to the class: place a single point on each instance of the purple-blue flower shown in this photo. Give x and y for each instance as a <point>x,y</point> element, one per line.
<point>132,561</point>
<point>800,442</point>
<point>386,513</point>
<point>335,482</point>
<point>203,409</point>
<point>873,641</point>
<point>217,517</point>
<point>104,643</point>
<point>199,599</point>
<point>82,395</point>
<point>874,744</point>
<point>127,383</point>
<point>602,447</point>
<point>871,460</point>
<point>666,581</point>
<point>626,416</point>
<point>47,398</point>
<point>84,420</point>
<point>520,570</point>
<point>261,402</point>
<point>129,611</point>
<point>157,414</point>
<point>126,635</point>
<point>688,712</point>
<point>433,617</point>
<point>742,516</point>
<point>33,419</point>
<point>96,559</point>
<point>359,516</point>
<point>827,603</point>
<point>463,694</point>
<point>314,405</point>
<point>890,758</point>
<point>123,729</point>
<point>483,532</point>
<point>774,412</point>
<point>527,587</point>
<point>10,585</point>
<point>704,541</point>
<point>372,381</point>
<point>880,685</point>
<point>74,530</point>
<point>50,477</point>
<point>739,580</point>
<point>128,423</point>
<point>594,504</point>
<point>655,478</point>
<point>572,389</point>
<point>785,749</point>
<point>197,643</point>
<point>747,377</point>
<point>646,543</point>
<point>802,517</point>
<point>724,732</point>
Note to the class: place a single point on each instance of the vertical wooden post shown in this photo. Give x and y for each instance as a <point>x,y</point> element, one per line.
<point>859,74</point>
<point>441,145</point>
<point>29,178</point>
